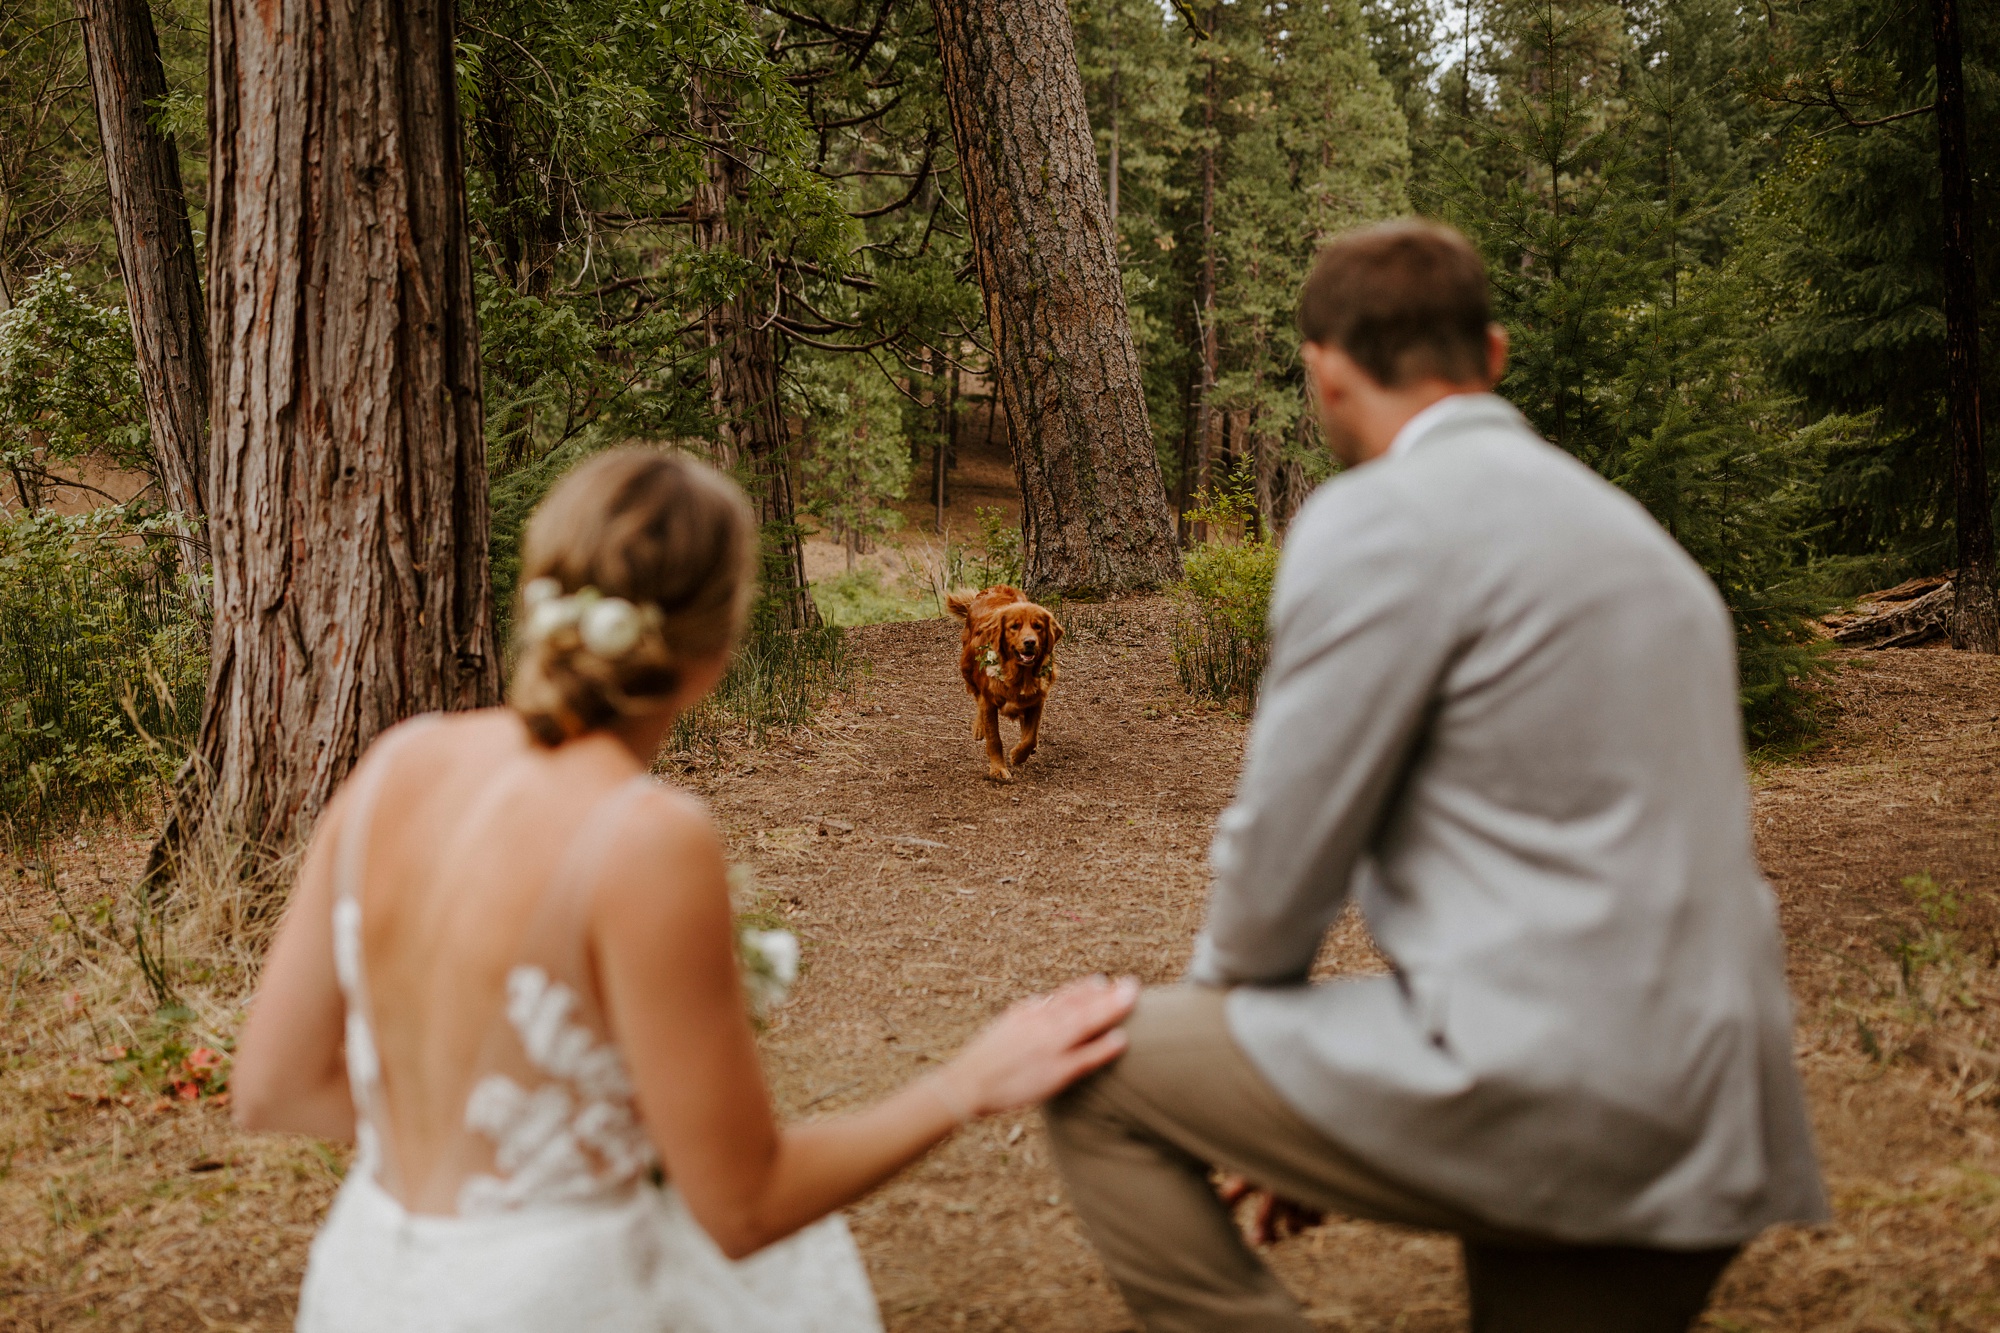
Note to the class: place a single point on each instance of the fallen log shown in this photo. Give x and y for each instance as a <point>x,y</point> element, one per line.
<point>1902,624</point>
<point>1908,590</point>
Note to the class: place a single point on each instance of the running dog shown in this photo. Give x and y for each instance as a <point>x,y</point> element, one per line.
<point>1007,654</point>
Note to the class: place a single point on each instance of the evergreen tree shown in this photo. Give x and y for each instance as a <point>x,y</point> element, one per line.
<point>853,432</point>
<point>1315,148</point>
<point>1136,64</point>
<point>1605,174</point>
<point>1287,133</point>
<point>1853,249</point>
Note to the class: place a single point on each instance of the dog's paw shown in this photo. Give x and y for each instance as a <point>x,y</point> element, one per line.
<point>995,773</point>
<point>1020,756</point>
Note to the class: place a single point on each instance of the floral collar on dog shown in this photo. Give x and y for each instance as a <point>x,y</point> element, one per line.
<point>991,660</point>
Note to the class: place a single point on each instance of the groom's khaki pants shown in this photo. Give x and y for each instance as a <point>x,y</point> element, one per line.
<point>1135,1143</point>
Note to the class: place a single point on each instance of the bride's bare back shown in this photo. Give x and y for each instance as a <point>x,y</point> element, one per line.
<point>463,883</point>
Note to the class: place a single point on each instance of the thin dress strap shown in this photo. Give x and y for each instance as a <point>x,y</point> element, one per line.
<point>364,1067</point>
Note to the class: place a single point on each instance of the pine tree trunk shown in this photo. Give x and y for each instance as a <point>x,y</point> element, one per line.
<point>142,170</point>
<point>1975,621</point>
<point>1094,513</point>
<point>1204,410</point>
<point>754,437</point>
<point>347,484</point>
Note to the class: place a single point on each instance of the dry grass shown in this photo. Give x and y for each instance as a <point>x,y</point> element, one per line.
<point>928,897</point>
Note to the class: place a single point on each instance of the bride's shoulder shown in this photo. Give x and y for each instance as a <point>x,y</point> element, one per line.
<point>429,736</point>
<point>666,842</point>
<point>668,814</point>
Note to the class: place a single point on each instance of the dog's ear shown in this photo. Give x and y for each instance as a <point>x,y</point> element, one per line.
<point>1055,629</point>
<point>1000,623</point>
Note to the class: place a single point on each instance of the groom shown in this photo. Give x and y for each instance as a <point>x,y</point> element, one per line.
<point>1500,714</point>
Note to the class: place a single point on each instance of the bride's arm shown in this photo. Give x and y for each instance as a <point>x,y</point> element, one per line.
<point>290,1070</point>
<point>665,944</point>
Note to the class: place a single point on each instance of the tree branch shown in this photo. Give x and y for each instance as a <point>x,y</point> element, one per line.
<point>910,195</point>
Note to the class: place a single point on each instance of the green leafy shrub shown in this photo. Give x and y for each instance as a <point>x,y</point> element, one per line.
<point>1220,635</point>
<point>102,663</point>
<point>999,559</point>
<point>69,386</point>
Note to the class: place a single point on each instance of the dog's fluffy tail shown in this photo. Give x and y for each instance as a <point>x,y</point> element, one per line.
<point>960,604</point>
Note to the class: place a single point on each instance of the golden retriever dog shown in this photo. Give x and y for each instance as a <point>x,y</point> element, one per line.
<point>1007,654</point>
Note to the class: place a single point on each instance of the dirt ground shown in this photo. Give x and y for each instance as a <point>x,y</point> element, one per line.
<point>927,898</point>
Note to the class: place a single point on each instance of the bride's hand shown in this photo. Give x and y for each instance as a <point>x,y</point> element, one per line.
<point>1038,1047</point>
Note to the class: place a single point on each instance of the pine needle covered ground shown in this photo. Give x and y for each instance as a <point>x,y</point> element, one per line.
<point>928,897</point>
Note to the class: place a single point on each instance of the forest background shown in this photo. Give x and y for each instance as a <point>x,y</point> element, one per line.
<point>1715,232</point>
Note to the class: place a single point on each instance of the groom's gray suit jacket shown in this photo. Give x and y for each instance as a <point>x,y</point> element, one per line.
<point>1501,710</point>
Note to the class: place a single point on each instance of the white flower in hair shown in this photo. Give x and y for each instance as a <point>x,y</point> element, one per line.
<point>548,609</point>
<point>610,626</point>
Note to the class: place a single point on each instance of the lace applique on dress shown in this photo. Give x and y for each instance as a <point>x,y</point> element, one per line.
<point>574,1137</point>
<point>364,1067</point>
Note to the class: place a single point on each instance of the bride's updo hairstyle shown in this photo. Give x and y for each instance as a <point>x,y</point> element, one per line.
<point>637,563</point>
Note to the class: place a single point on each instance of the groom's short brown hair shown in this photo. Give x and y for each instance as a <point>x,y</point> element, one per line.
<point>1407,300</point>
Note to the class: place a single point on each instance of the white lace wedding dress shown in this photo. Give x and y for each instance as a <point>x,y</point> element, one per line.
<point>560,1224</point>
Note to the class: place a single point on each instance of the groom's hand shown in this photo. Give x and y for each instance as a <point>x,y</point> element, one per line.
<point>1272,1218</point>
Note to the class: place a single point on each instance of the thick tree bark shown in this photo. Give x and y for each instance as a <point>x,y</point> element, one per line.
<point>1975,621</point>
<point>1094,513</point>
<point>348,505</point>
<point>142,170</point>
<point>753,435</point>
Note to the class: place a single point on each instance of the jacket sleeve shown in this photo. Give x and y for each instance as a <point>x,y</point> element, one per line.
<point>1360,639</point>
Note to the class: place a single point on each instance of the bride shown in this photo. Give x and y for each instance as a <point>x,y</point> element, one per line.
<point>509,973</point>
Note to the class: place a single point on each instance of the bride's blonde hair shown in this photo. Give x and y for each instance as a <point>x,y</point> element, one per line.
<point>636,564</point>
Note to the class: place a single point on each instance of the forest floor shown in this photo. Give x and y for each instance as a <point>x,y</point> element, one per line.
<point>927,898</point>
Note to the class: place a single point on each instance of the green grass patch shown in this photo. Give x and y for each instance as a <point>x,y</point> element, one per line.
<point>774,683</point>
<point>861,596</point>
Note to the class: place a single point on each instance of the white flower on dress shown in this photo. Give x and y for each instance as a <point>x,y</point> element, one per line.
<point>770,966</point>
<point>576,1136</point>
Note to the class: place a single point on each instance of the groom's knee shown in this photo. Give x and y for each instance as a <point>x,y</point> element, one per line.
<point>1168,1039</point>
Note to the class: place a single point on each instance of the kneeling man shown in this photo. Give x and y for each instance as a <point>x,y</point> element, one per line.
<point>1501,712</point>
